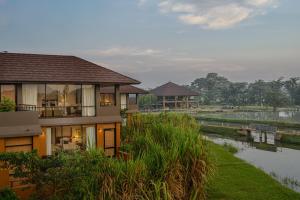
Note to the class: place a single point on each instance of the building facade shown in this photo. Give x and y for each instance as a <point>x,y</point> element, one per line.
<point>61,104</point>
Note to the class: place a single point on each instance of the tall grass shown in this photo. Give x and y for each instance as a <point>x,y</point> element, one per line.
<point>174,153</point>
<point>168,161</point>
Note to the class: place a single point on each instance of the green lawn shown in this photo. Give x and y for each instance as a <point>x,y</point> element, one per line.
<point>237,180</point>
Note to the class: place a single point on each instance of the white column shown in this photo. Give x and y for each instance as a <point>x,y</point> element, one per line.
<point>48,141</point>
<point>90,137</point>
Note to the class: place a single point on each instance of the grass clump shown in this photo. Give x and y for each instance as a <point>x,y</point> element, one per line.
<point>230,148</point>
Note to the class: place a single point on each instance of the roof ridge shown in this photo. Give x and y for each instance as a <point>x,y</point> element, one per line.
<point>36,54</point>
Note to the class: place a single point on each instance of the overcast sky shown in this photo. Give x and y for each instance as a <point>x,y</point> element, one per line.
<point>156,41</point>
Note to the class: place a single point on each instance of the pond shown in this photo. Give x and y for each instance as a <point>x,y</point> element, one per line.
<point>288,116</point>
<point>281,163</point>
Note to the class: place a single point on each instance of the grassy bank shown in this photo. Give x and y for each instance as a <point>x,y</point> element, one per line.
<point>290,139</point>
<point>238,180</point>
<point>278,124</point>
<point>224,131</point>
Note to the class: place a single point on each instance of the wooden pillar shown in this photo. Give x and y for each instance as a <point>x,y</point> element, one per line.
<point>97,89</point>
<point>118,138</point>
<point>164,102</point>
<point>39,143</point>
<point>187,102</point>
<point>266,137</point>
<point>176,97</point>
<point>117,96</point>
<point>100,137</point>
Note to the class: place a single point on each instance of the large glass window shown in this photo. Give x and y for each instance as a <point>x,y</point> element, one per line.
<point>72,137</point>
<point>107,96</point>
<point>88,100</point>
<point>56,100</point>
<point>132,99</point>
<point>62,100</point>
<point>8,91</point>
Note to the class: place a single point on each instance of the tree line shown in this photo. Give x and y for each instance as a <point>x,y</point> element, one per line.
<point>218,90</point>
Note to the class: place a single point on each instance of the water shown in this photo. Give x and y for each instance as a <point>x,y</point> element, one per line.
<point>287,116</point>
<point>282,162</point>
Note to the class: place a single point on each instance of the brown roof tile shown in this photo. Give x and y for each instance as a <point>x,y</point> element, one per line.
<point>172,89</point>
<point>124,89</point>
<point>18,67</point>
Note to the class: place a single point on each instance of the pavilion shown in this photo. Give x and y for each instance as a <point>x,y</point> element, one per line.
<point>173,96</point>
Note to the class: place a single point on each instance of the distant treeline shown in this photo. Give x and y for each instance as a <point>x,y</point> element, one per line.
<point>218,90</point>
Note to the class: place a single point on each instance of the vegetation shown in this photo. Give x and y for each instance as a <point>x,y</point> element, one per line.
<point>238,180</point>
<point>218,90</point>
<point>279,124</point>
<point>147,101</point>
<point>7,194</point>
<point>224,131</point>
<point>7,105</point>
<point>290,139</point>
<point>230,148</point>
<point>168,161</point>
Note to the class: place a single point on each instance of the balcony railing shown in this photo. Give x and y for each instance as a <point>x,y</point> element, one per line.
<point>58,111</point>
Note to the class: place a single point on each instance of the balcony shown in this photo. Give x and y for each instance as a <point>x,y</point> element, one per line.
<point>59,111</point>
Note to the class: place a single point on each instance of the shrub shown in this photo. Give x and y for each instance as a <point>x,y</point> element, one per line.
<point>7,194</point>
<point>7,105</point>
<point>169,161</point>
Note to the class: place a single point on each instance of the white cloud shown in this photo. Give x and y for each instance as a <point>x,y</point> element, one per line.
<point>141,2</point>
<point>215,14</point>
<point>125,51</point>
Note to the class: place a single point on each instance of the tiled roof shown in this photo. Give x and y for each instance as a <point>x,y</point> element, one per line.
<point>124,89</point>
<point>18,67</point>
<point>172,89</point>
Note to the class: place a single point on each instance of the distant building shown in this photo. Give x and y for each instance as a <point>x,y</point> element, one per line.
<point>173,96</point>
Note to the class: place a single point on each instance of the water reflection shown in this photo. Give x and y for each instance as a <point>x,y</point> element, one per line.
<point>283,162</point>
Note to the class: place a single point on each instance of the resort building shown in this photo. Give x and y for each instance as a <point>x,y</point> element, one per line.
<point>61,104</point>
<point>172,96</point>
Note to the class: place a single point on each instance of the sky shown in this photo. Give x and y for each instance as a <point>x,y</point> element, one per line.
<point>156,41</point>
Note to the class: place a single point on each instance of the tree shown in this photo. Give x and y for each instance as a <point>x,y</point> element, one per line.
<point>293,87</point>
<point>7,105</point>
<point>211,88</point>
<point>275,96</point>
<point>236,94</point>
<point>257,93</point>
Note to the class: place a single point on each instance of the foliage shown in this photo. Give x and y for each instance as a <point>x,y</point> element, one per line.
<point>230,148</point>
<point>169,161</point>
<point>7,194</point>
<point>225,131</point>
<point>218,90</point>
<point>278,124</point>
<point>211,88</point>
<point>7,105</point>
<point>147,100</point>
<point>290,139</point>
<point>275,96</point>
<point>237,180</point>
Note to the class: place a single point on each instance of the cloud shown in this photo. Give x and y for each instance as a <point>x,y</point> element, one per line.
<point>125,51</point>
<point>215,14</point>
<point>141,2</point>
